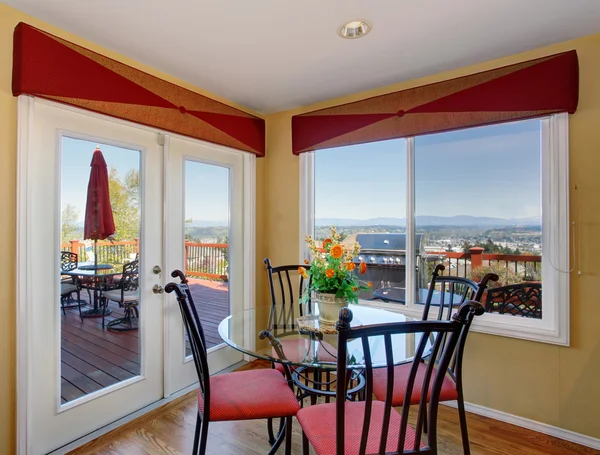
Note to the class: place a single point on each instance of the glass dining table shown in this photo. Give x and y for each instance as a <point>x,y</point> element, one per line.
<point>305,344</point>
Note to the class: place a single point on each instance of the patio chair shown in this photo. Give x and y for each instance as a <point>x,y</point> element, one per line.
<point>127,295</point>
<point>522,299</point>
<point>244,395</point>
<point>374,426</point>
<point>285,309</point>
<point>445,293</point>
<point>69,284</point>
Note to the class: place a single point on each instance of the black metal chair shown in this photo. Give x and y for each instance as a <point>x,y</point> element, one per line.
<point>69,284</point>
<point>285,309</point>
<point>522,299</point>
<point>374,426</point>
<point>127,295</point>
<point>445,293</point>
<point>245,395</point>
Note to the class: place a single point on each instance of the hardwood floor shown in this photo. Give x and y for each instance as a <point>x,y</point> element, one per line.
<point>169,430</point>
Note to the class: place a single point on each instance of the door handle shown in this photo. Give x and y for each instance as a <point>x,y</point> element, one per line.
<point>158,289</point>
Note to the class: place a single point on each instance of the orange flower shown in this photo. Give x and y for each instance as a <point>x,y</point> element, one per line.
<point>329,273</point>
<point>337,251</point>
<point>302,271</point>
<point>355,288</point>
<point>326,243</point>
<point>350,266</point>
<point>370,284</point>
<point>363,267</point>
<point>306,261</point>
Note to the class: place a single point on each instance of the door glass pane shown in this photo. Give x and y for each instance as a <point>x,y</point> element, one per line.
<point>206,257</point>
<point>99,299</point>
<point>361,189</point>
<point>478,210</point>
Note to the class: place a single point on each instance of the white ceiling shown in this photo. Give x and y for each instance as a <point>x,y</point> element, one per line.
<point>273,55</point>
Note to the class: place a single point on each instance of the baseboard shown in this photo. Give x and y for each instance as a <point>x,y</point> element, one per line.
<point>529,424</point>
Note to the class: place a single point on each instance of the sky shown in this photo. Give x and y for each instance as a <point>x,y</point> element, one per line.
<point>488,171</point>
<point>206,185</point>
<point>76,157</point>
<point>491,171</point>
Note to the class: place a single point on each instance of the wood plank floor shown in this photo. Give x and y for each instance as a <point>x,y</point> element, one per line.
<point>93,358</point>
<point>169,430</point>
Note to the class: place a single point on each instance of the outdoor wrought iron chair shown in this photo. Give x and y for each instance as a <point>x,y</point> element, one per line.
<point>244,395</point>
<point>374,426</point>
<point>445,293</point>
<point>69,284</point>
<point>522,299</point>
<point>127,295</point>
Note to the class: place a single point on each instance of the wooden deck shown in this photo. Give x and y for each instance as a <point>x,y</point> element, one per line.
<point>93,358</point>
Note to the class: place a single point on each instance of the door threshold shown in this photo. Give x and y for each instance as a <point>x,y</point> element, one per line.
<point>134,415</point>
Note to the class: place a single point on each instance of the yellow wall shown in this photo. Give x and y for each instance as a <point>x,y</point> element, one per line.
<point>8,151</point>
<point>556,385</point>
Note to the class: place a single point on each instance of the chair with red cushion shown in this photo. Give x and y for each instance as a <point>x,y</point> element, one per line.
<point>445,293</point>
<point>233,396</point>
<point>287,287</point>
<point>374,426</point>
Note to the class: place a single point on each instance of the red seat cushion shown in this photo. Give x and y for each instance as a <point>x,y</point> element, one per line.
<point>298,350</point>
<point>401,373</point>
<point>318,424</point>
<point>246,395</point>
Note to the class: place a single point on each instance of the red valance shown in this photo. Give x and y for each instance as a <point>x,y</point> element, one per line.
<point>529,89</point>
<point>49,67</point>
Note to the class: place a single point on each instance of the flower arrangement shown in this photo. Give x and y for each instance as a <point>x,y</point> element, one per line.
<point>332,268</point>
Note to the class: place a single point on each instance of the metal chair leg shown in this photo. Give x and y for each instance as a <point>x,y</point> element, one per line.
<point>197,434</point>
<point>270,431</point>
<point>288,436</point>
<point>304,444</point>
<point>203,438</point>
<point>462,415</point>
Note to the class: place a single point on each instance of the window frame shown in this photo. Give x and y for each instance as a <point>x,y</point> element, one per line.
<point>553,328</point>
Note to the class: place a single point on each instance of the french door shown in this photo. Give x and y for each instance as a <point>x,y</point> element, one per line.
<point>205,225</point>
<point>79,372</point>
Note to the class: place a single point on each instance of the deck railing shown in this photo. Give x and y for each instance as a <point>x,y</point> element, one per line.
<point>202,260</point>
<point>462,264</point>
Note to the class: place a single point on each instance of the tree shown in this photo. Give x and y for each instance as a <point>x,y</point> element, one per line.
<point>124,199</point>
<point>69,228</point>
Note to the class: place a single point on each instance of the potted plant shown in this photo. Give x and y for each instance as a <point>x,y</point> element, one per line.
<point>333,282</point>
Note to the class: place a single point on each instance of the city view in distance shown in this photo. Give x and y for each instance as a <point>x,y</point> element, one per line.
<point>456,234</point>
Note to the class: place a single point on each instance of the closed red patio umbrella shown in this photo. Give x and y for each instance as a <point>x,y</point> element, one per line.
<point>99,223</point>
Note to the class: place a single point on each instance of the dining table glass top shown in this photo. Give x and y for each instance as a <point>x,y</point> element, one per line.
<point>305,341</point>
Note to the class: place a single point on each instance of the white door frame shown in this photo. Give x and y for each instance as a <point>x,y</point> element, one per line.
<point>23,302</point>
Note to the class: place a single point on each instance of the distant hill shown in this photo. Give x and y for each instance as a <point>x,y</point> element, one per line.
<point>207,223</point>
<point>426,220</point>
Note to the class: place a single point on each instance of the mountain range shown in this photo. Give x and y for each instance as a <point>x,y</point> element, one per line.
<point>427,220</point>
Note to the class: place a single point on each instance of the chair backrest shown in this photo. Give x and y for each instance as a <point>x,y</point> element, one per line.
<point>522,299</point>
<point>68,261</point>
<point>437,343</point>
<point>185,286</point>
<point>285,307</point>
<point>447,292</point>
<point>195,334</point>
<point>451,292</point>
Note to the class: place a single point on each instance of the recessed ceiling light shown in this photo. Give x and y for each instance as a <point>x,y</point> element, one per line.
<point>355,29</point>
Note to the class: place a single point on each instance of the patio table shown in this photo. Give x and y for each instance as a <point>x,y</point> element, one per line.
<point>94,277</point>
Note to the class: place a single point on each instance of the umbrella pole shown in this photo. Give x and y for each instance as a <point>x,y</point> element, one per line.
<point>95,253</point>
